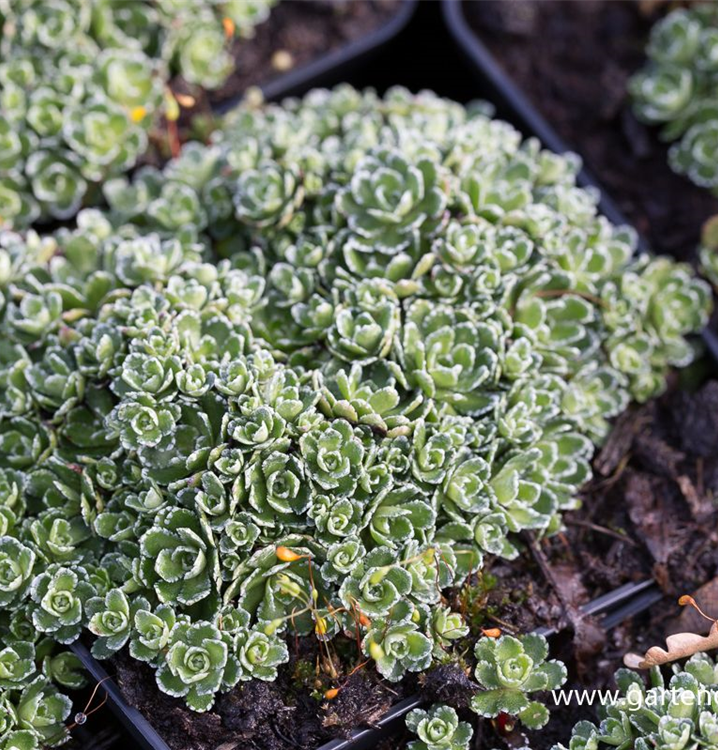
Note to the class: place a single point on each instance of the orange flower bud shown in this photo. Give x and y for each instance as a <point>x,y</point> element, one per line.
<point>185,100</point>
<point>229,27</point>
<point>491,632</point>
<point>287,555</point>
<point>331,694</point>
<point>364,621</point>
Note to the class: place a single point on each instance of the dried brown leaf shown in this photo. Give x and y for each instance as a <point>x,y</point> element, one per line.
<point>679,646</point>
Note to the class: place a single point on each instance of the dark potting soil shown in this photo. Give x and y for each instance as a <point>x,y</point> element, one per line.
<point>573,59</point>
<point>296,33</point>
<point>649,511</point>
<point>261,715</point>
<point>306,30</point>
<point>651,507</point>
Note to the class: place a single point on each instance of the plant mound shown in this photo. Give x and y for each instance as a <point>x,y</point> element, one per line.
<point>305,378</point>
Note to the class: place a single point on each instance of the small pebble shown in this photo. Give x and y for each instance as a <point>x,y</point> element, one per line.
<point>282,61</point>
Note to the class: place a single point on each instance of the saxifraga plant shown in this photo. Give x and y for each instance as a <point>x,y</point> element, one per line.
<point>509,670</point>
<point>83,81</point>
<point>678,89</point>
<point>438,728</point>
<point>306,377</point>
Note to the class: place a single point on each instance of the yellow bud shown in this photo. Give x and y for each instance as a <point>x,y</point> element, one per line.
<point>376,651</point>
<point>415,615</point>
<point>172,110</point>
<point>320,626</point>
<point>428,556</point>
<point>137,114</point>
<point>288,586</point>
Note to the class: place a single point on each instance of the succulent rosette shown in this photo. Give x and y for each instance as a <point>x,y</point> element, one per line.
<point>438,728</point>
<point>510,669</point>
<point>59,597</point>
<point>198,663</point>
<point>178,558</point>
<point>16,569</point>
<point>397,646</point>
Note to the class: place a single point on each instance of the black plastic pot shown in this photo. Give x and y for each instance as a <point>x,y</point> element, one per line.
<point>613,608</point>
<point>134,722</point>
<point>514,105</point>
<point>335,66</point>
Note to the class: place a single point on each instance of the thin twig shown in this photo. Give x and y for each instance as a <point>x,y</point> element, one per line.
<point>505,625</point>
<point>601,530</point>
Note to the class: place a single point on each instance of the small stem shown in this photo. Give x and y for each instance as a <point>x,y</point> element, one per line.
<point>691,602</point>
<point>601,530</point>
<point>173,137</point>
<point>505,625</point>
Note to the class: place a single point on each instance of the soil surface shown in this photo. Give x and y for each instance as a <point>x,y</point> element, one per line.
<point>649,511</point>
<point>296,33</point>
<point>259,715</point>
<point>573,59</point>
<point>655,484</point>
